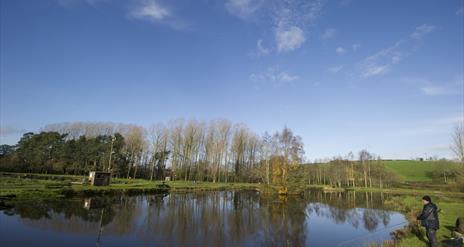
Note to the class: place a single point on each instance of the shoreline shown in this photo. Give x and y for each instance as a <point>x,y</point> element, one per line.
<point>34,186</point>
<point>22,187</point>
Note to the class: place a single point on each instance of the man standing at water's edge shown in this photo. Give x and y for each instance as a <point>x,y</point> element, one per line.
<point>429,220</point>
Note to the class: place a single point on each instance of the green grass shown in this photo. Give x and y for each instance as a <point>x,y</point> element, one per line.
<point>450,203</point>
<point>407,191</point>
<point>39,188</point>
<point>450,209</point>
<point>411,170</point>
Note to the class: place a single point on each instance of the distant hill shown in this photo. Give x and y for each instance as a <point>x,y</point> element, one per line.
<point>412,170</point>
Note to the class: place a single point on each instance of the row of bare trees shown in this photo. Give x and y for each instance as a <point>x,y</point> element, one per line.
<point>217,151</point>
<point>366,170</point>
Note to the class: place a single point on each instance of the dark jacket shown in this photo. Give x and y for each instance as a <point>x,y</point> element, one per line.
<point>429,216</point>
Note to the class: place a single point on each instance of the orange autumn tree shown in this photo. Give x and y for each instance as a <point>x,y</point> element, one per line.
<point>287,155</point>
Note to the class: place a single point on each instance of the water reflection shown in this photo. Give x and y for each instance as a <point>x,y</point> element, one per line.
<point>242,218</point>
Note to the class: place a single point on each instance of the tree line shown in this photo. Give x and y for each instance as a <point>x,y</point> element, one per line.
<point>215,151</point>
<point>364,170</point>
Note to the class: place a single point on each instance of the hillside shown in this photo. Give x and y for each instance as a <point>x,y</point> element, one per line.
<point>411,170</point>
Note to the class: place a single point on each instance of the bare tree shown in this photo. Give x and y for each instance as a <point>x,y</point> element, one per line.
<point>365,157</point>
<point>239,142</point>
<point>175,143</point>
<point>158,138</point>
<point>457,145</point>
<point>266,149</point>
<point>135,146</point>
<point>224,128</point>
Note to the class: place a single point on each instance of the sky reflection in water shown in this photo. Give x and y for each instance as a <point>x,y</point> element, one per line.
<point>203,219</point>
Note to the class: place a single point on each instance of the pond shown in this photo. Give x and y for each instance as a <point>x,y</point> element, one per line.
<point>226,218</point>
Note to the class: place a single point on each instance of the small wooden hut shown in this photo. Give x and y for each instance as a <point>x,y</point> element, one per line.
<point>99,178</point>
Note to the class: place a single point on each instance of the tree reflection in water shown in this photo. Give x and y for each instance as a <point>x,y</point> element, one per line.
<point>241,218</point>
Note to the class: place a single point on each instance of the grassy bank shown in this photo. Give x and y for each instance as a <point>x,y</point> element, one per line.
<point>415,191</point>
<point>44,186</point>
<point>17,186</point>
<point>41,187</point>
<point>450,209</point>
<point>408,201</point>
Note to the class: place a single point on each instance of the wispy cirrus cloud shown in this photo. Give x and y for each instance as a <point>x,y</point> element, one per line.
<point>455,87</point>
<point>421,31</point>
<point>155,12</point>
<point>150,10</point>
<point>243,8</point>
<point>335,69</point>
<point>274,76</point>
<point>340,50</point>
<point>71,3</point>
<point>262,50</point>
<point>381,62</point>
<point>329,33</point>
<point>434,90</point>
<point>460,11</point>
<point>443,87</point>
<point>288,21</point>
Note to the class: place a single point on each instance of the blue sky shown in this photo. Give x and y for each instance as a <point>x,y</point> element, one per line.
<point>345,75</point>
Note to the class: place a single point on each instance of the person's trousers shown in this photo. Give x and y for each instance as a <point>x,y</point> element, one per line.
<point>431,235</point>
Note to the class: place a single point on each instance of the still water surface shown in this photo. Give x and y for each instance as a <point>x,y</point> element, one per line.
<point>240,218</point>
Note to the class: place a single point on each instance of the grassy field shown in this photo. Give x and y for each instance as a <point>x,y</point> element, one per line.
<point>450,208</point>
<point>415,172</point>
<point>411,170</point>
<point>27,188</point>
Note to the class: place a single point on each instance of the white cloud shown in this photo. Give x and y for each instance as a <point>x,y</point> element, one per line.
<point>274,76</point>
<point>436,90</point>
<point>455,87</point>
<point>374,70</point>
<point>460,11</point>
<point>71,3</point>
<point>261,49</point>
<point>336,69</point>
<point>153,11</point>
<point>243,8</point>
<point>396,57</point>
<point>421,31</point>
<point>150,10</point>
<point>329,33</point>
<point>289,38</point>
<point>340,50</point>
<point>285,77</point>
<point>289,20</point>
<point>381,62</point>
